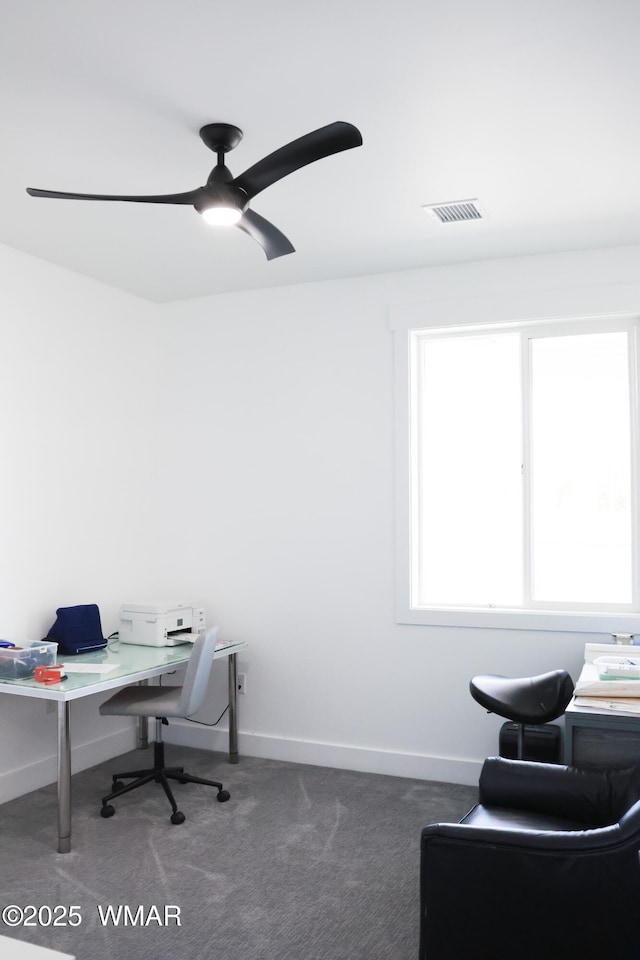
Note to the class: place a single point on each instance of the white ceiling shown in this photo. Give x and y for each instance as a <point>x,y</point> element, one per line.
<point>531,107</point>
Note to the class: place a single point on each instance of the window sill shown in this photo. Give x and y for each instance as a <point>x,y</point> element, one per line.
<point>549,620</point>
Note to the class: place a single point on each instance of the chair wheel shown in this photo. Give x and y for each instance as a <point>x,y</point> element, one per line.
<point>117,785</point>
<point>223,795</point>
<point>107,810</point>
<point>181,780</point>
<point>178,817</point>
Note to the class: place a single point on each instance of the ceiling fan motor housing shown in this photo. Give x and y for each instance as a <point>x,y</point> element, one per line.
<point>221,195</point>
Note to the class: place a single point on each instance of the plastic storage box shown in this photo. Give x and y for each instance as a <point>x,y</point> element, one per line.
<point>20,662</point>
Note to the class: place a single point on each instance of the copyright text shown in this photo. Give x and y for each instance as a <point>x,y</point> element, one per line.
<point>109,915</point>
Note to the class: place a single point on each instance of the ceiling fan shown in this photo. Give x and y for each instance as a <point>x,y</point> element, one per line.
<point>224,199</point>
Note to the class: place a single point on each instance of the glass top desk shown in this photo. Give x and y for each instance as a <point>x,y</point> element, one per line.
<point>131,664</point>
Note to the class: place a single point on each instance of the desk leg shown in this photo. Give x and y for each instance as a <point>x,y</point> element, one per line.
<point>64,778</point>
<point>143,724</point>
<point>233,708</point>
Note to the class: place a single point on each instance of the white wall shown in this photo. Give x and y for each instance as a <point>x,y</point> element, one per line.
<point>80,433</point>
<point>238,450</point>
<point>291,410</point>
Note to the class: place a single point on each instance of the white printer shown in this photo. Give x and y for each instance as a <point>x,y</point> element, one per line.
<point>160,623</point>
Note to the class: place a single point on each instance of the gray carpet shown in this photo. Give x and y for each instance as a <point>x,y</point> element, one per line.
<point>303,863</point>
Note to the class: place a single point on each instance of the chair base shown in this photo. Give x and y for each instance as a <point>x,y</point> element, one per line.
<point>161,774</point>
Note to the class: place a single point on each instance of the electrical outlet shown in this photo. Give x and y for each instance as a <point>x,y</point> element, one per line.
<point>242,683</point>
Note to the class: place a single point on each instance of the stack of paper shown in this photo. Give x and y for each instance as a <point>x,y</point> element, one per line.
<point>615,693</point>
<point>619,705</point>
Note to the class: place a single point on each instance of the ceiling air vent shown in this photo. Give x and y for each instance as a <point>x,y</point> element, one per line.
<point>455,211</point>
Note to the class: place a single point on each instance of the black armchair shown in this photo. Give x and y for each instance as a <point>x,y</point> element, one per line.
<point>546,865</point>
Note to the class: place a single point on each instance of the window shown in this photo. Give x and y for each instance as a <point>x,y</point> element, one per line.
<point>521,476</point>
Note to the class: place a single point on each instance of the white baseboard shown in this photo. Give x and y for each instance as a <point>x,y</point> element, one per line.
<point>18,781</point>
<point>365,760</point>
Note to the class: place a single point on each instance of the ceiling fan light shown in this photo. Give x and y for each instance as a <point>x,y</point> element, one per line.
<point>221,215</point>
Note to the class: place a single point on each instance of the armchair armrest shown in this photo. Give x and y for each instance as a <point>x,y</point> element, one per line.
<point>467,837</point>
<point>592,797</point>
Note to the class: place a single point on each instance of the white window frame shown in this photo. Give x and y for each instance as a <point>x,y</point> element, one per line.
<point>555,312</point>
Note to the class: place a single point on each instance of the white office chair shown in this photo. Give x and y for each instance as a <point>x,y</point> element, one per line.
<point>162,702</point>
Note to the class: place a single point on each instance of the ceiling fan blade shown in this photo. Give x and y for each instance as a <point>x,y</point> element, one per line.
<point>273,242</point>
<point>163,198</point>
<point>316,145</point>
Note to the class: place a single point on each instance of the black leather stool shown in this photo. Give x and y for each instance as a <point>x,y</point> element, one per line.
<point>524,699</point>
